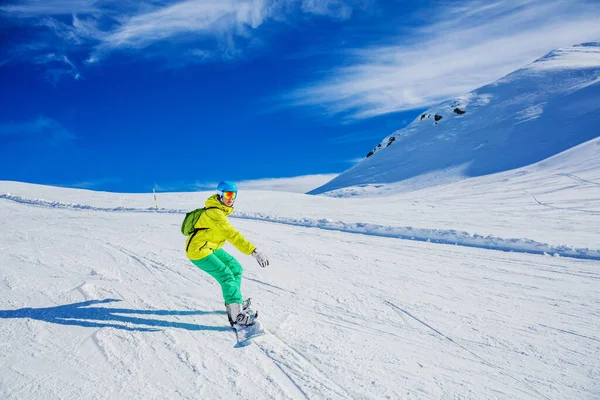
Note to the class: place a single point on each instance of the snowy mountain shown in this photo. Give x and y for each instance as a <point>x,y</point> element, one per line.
<point>534,113</point>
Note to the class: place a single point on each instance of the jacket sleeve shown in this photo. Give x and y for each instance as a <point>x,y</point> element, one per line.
<point>218,221</point>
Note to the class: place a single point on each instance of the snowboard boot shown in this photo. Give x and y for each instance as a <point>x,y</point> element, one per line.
<point>245,307</point>
<point>245,304</point>
<point>237,315</point>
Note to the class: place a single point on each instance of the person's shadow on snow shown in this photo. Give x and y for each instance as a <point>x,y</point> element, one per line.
<point>100,317</point>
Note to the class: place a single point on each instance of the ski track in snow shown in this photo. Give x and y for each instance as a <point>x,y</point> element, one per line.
<point>297,367</point>
<point>401,310</point>
<point>441,236</point>
<point>575,177</point>
<point>563,208</point>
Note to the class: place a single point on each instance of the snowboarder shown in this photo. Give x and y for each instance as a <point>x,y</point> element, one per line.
<point>203,248</point>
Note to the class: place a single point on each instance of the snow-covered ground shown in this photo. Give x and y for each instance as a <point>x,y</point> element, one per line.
<point>98,301</point>
<point>552,206</point>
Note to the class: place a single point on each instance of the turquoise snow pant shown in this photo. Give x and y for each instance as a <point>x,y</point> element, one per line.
<point>226,270</point>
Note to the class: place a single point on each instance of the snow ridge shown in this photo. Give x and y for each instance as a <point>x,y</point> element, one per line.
<point>441,236</point>
<point>534,113</point>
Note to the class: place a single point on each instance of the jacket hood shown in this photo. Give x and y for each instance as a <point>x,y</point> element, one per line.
<point>213,201</point>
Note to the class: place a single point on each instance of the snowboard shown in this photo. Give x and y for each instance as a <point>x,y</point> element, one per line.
<point>245,334</point>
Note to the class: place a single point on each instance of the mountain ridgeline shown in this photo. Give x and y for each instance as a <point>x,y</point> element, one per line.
<point>536,112</point>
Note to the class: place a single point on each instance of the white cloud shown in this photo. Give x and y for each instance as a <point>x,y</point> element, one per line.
<point>196,30</point>
<point>40,128</point>
<point>54,42</point>
<point>470,45</point>
<point>222,21</point>
<point>186,17</point>
<point>333,8</point>
<point>297,184</point>
<point>59,65</point>
<point>36,8</point>
<point>91,184</point>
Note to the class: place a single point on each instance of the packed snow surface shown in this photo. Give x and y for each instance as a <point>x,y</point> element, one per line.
<point>485,288</point>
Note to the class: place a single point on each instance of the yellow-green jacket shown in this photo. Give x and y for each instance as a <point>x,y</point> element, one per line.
<point>214,230</point>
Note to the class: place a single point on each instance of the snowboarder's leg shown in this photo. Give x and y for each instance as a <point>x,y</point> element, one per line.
<point>222,273</point>
<point>237,270</point>
<point>231,263</point>
<point>230,288</point>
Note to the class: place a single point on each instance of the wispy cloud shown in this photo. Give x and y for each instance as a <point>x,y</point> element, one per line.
<point>469,45</point>
<point>195,30</point>
<point>90,184</point>
<point>57,65</point>
<point>36,8</point>
<point>223,19</point>
<point>338,9</point>
<point>298,184</point>
<point>41,128</point>
<point>54,46</point>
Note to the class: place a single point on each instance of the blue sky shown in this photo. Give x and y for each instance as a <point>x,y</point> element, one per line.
<point>176,95</point>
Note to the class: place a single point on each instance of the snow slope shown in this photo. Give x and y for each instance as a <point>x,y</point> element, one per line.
<point>97,300</point>
<point>534,113</point>
<point>552,206</point>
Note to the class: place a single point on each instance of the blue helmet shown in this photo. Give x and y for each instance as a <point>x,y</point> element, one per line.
<point>227,186</point>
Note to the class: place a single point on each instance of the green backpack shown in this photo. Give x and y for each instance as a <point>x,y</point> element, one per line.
<point>187,226</point>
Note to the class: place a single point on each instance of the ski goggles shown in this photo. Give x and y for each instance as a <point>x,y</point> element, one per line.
<point>229,195</point>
